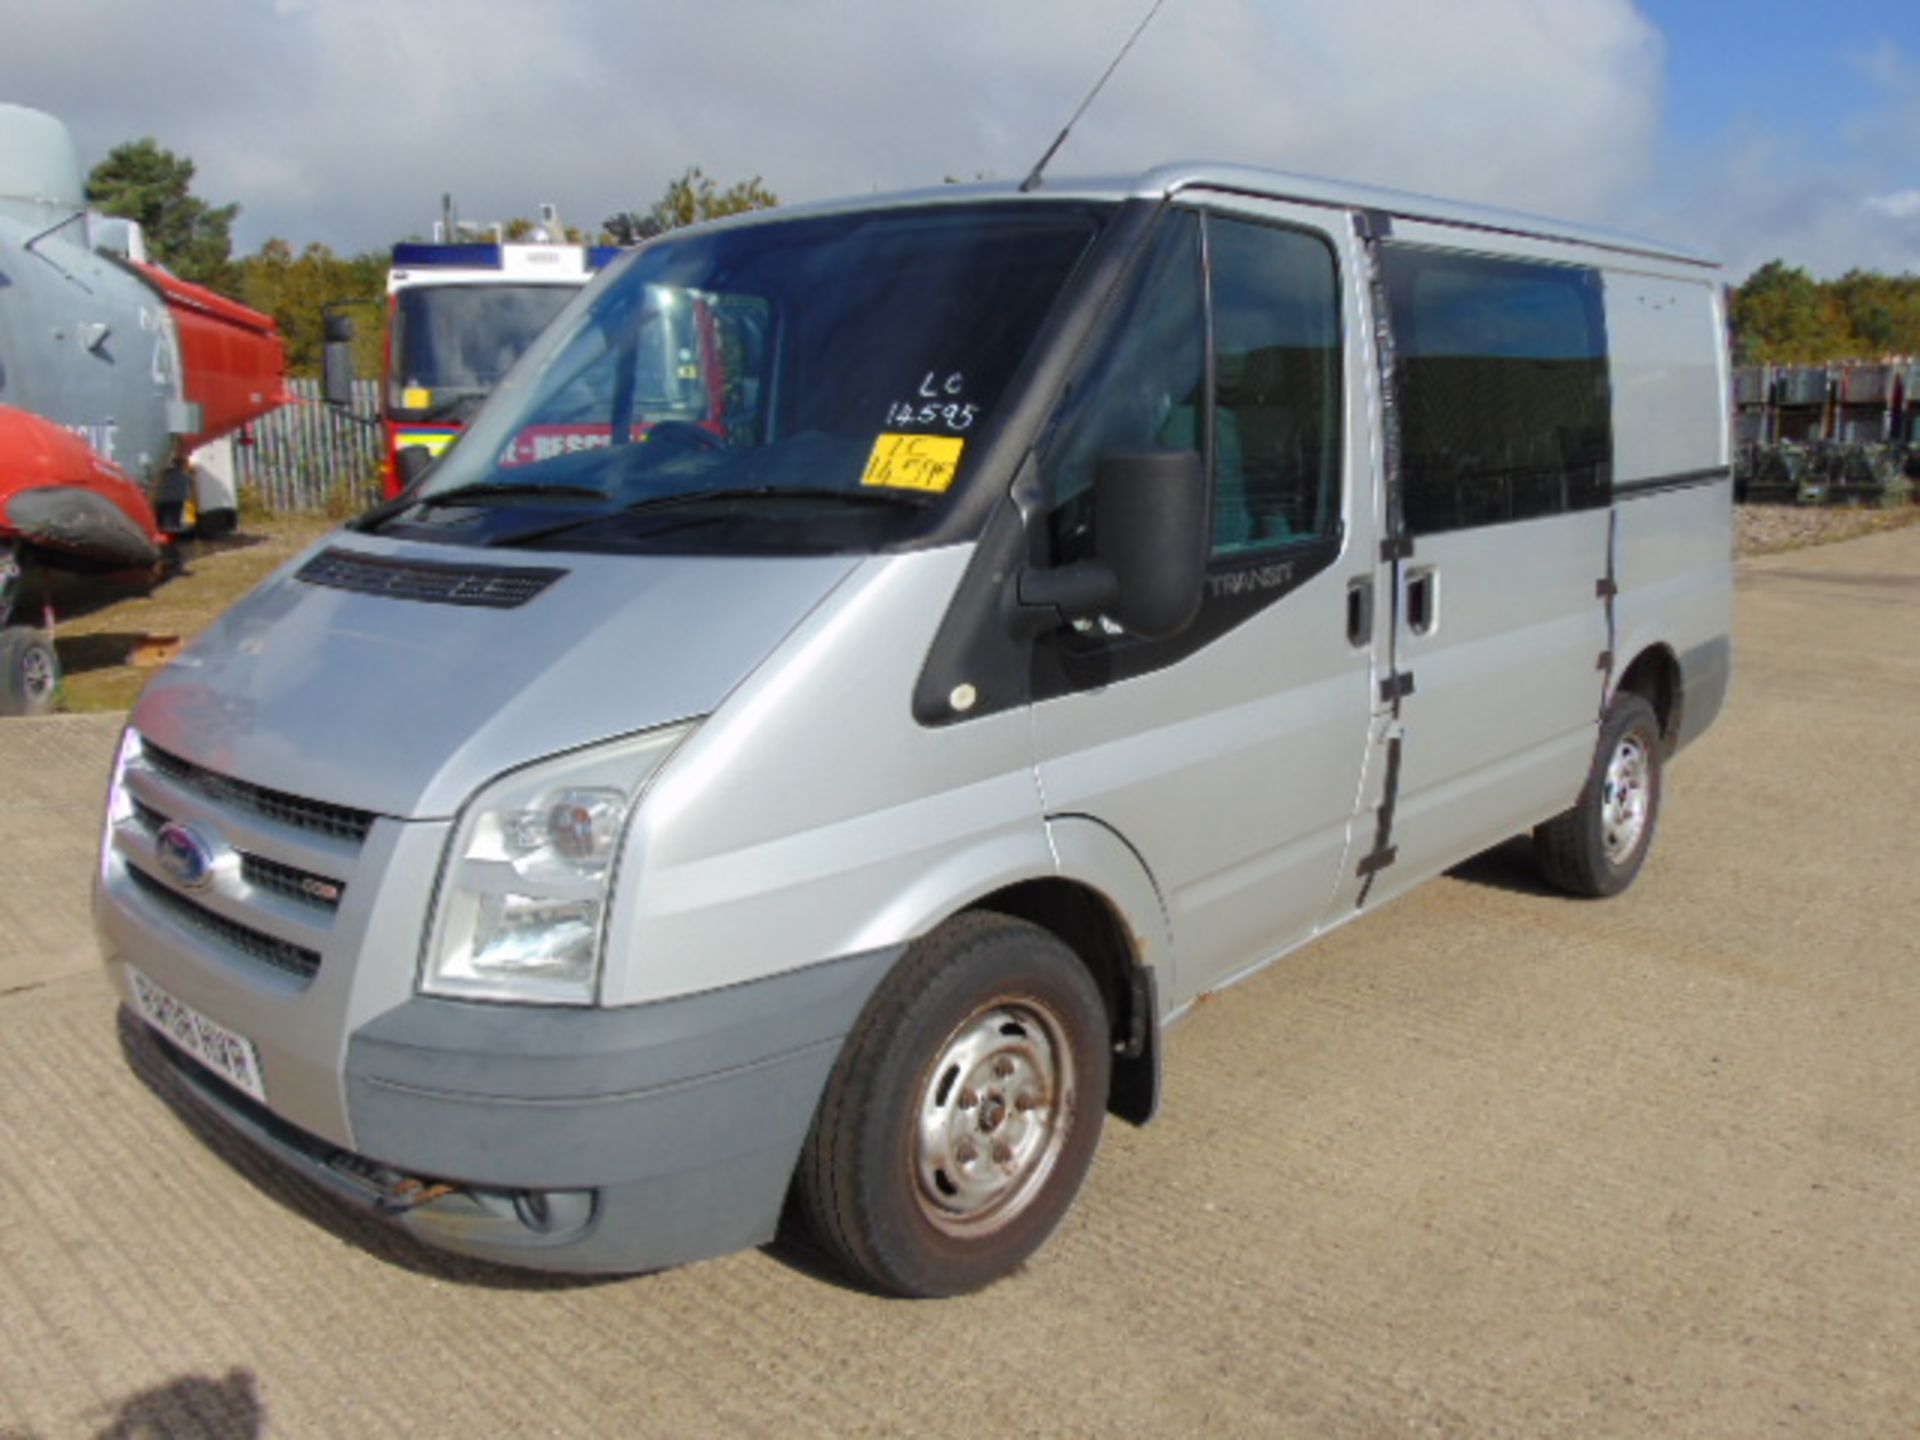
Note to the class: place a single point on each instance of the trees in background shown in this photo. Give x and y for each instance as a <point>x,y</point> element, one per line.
<point>142,181</point>
<point>691,198</point>
<point>297,289</point>
<point>1781,315</point>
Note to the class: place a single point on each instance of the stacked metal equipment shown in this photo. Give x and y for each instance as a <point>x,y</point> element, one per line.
<point>1842,434</point>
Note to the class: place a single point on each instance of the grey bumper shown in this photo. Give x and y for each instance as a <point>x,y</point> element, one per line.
<point>580,1140</point>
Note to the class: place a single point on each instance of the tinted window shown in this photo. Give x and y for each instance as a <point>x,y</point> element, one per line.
<point>1502,385</point>
<point>810,383</point>
<point>1273,443</point>
<point>1276,421</point>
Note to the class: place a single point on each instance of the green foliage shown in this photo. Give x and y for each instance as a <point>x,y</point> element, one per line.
<point>1882,310</point>
<point>297,289</point>
<point>142,181</point>
<point>691,198</point>
<point>1781,315</point>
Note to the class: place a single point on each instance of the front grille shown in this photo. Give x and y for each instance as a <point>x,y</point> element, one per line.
<point>339,821</point>
<point>320,891</point>
<point>282,955</point>
<point>494,587</point>
<point>291,881</point>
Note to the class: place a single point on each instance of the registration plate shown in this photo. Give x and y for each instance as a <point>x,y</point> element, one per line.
<point>227,1053</point>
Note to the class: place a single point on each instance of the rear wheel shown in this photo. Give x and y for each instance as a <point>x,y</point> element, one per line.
<point>29,671</point>
<point>1598,846</point>
<point>215,523</point>
<point>963,1112</point>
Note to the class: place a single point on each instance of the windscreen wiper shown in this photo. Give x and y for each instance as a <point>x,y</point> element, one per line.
<point>724,494</point>
<point>503,489</point>
<point>683,499</point>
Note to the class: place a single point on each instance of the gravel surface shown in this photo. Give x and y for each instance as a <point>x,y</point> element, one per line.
<point>1764,529</point>
<point>1490,1163</point>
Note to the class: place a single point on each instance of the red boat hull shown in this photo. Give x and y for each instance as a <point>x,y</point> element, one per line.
<point>74,509</point>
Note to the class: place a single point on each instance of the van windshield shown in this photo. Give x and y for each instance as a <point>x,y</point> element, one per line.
<point>813,383</point>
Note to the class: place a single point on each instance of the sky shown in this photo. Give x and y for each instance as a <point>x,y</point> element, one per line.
<point>1751,131</point>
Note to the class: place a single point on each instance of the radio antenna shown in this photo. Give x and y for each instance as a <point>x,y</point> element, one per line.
<point>1032,182</point>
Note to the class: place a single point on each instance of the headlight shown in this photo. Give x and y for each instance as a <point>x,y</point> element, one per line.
<point>119,802</point>
<point>523,895</point>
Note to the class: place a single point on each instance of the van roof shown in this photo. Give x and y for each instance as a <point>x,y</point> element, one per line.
<point>1165,181</point>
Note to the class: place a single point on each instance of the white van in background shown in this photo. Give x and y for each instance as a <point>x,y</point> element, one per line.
<point>871,668</point>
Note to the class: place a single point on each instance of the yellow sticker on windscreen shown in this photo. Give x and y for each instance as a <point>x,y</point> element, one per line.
<point>415,397</point>
<point>914,462</point>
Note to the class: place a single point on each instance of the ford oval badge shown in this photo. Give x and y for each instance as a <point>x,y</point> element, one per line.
<point>187,859</point>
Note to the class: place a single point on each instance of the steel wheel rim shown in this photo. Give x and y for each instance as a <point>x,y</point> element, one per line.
<point>995,1109</point>
<point>1625,798</point>
<point>36,673</point>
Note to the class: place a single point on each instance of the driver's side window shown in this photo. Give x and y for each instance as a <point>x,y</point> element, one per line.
<point>1264,413</point>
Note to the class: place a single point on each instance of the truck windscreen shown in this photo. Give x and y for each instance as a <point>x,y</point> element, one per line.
<point>453,342</point>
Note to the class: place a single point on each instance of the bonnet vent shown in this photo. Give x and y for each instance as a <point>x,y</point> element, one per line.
<point>494,587</point>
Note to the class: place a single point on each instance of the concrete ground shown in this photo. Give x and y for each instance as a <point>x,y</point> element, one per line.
<point>1488,1163</point>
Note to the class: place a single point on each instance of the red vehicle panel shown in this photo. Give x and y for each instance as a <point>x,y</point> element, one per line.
<point>231,358</point>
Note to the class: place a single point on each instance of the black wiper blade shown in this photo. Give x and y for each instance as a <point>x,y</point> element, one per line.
<point>498,490</point>
<point>681,499</point>
<point>778,492</point>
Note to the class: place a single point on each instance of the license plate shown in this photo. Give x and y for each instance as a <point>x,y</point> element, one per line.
<point>227,1053</point>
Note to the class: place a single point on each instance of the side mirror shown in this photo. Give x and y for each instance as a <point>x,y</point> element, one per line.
<point>1151,535</point>
<point>1150,528</point>
<point>336,360</point>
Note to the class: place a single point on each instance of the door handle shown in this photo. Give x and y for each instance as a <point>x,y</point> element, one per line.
<point>1360,611</point>
<point>1423,600</point>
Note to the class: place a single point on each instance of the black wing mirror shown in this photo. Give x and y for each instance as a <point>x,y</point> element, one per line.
<point>336,359</point>
<point>1151,535</point>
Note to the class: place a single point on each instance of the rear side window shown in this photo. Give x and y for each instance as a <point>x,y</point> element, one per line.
<point>1502,384</point>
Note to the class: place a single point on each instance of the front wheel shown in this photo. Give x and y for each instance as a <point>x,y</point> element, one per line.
<point>1597,847</point>
<point>963,1112</point>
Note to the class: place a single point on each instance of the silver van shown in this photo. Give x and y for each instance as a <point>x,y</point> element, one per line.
<point>870,669</point>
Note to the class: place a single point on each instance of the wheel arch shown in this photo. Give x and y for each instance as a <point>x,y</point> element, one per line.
<point>1654,675</point>
<point>1118,929</point>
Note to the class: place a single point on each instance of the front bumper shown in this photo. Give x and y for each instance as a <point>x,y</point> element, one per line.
<point>595,1141</point>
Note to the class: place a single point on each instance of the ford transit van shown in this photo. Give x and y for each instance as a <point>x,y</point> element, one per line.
<point>870,669</point>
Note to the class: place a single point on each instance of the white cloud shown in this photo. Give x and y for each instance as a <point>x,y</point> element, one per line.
<point>346,121</point>
<point>1902,204</point>
<point>1828,202</point>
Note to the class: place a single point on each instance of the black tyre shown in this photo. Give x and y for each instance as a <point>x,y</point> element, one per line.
<point>216,523</point>
<point>963,1111</point>
<point>29,671</point>
<point>1598,846</point>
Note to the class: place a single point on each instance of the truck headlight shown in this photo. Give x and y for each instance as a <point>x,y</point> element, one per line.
<point>523,893</point>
